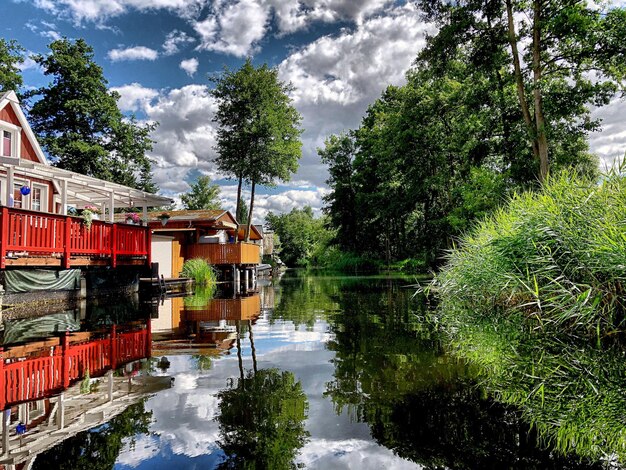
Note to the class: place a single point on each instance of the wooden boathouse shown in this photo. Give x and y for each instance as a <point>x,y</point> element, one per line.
<point>213,235</point>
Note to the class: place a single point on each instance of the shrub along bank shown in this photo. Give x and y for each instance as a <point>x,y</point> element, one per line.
<point>557,257</point>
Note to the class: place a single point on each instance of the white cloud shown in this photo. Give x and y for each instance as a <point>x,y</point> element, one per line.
<point>609,143</point>
<point>134,97</point>
<point>190,66</point>
<point>175,40</point>
<point>337,77</point>
<point>234,29</point>
<point>133,53</point>
<point>98,11</point>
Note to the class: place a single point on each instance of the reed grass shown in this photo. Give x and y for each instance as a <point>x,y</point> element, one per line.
<point>557,257</point>
<point>200,271</point>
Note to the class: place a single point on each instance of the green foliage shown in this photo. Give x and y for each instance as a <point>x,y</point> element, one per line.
<point>262,421</point>
<point>203,292</point>
<point>11,57</point>
<point>302,236</point>
<point>335,259</point>
<point>203,195</point>
<point>556,258</point>
<point>258,137</point>
<point>200,271</point>
<point>79,124</point>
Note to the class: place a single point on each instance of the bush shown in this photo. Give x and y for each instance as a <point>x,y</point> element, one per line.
<point>557,257</point>
<point>200,271</point>
<point>334,258</point>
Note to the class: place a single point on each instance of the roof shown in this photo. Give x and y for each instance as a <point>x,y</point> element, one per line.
<point>82,189</point>
<point>191,219</point>
<point>10,98</point>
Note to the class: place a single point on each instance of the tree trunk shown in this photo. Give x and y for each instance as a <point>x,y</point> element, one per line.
<point>254,363</point>
<point>519,81</point>
<point>239,358</point>
<point>250,213</point>
<point>540,122</point>
<point>237,208</point>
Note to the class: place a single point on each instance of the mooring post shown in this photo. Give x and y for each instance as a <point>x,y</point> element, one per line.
<point>110,379</point>
<point>61,411</point>
<point>6,421</point>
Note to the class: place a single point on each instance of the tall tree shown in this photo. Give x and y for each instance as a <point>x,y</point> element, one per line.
<point>242,212</point>
<point>564,55</point>
<point>11,57</point>
<point>258,140</point>
<point>79,123</point>
<point>203,195</point>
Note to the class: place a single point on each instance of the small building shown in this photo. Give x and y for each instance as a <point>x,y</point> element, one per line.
<point>213,235</point>
<point>35,228</point>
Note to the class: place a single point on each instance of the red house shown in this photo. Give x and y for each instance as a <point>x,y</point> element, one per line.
<point>35,229</point>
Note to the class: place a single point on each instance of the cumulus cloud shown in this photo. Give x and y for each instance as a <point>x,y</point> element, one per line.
<point>337,76</point>
<point>175,40</point>
<point>132,53</point>
<point>134,97</point>
<point>233,29</point>
<point>190,66</point>
<point>609,143</point>
<point>98,11</point>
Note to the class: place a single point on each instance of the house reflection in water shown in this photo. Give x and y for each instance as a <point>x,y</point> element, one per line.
<point>45,395</point>
<point>192,325</point>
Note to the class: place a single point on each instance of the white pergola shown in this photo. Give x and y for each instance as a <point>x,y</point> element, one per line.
<point>80,190</point>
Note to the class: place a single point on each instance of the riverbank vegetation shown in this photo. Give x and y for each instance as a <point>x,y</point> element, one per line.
<point>200,271</point>
<point>556,258</point>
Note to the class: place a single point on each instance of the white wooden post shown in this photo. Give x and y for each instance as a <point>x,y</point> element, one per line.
<point>6,420</point>
<point>112,207</point>
<point>144,214</point>
<point>61,411</point>
<point>110,383</point>
<point>64,197</point>
<point>10,185</point>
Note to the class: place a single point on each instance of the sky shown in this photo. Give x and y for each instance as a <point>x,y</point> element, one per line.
<point>338,54</point>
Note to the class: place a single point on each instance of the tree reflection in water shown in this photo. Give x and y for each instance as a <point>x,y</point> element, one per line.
<point>261,421</point>
<point>392,371</point>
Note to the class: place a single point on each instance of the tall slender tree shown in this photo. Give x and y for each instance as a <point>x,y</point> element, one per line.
<point>79,124</point>
<point>258,140</point>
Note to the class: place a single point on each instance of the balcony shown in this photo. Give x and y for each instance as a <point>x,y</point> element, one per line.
<point>226,253</point>
<point>29,238</point>
<point>240,308</point>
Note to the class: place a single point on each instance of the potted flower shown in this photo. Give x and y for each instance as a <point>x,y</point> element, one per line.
<point>89,214</point>
<point>133,218</point>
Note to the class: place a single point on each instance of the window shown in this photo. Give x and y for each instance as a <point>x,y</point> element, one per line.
<point>7,144</point>
<point>35,198</point>
<point>17,196</point>
<point>39,197</point>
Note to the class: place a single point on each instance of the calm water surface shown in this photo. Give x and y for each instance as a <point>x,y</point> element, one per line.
<point>320,371</point>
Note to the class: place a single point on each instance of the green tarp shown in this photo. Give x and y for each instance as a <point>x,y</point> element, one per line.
<point>19,331</point>
<point>17,281</point>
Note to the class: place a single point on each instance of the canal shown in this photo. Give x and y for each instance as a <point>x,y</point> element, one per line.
<point>317,371</point>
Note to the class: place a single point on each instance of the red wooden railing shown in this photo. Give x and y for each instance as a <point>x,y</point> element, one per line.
<point>39,377</point>
<point>34,234</point>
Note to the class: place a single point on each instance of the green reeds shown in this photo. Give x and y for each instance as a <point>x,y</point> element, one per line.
<point>557,257</point>
<point>200,271</point>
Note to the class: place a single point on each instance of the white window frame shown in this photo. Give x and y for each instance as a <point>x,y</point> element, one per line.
<point>44,196</point>
<point>16,143</point>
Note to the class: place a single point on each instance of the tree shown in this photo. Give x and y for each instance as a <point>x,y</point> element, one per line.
<point>11,57</point>
<point>258,139</point>
<point>242,212</point>
<point>564,55</point>
<point>338,153</point>
<point>203,195</point>
<point>79,124</point>
<point>301,235</point>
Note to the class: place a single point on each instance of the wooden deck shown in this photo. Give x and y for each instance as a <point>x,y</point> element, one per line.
<point>226,253</point>
<point>29,238</point>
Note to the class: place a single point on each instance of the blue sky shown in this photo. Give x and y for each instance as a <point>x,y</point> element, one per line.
<point>339,55</point>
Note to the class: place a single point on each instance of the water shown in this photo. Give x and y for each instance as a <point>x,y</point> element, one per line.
<point>346,372</point>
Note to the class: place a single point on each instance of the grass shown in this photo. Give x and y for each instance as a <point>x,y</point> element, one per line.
<point>200,271</point>
<point>558,258</point>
